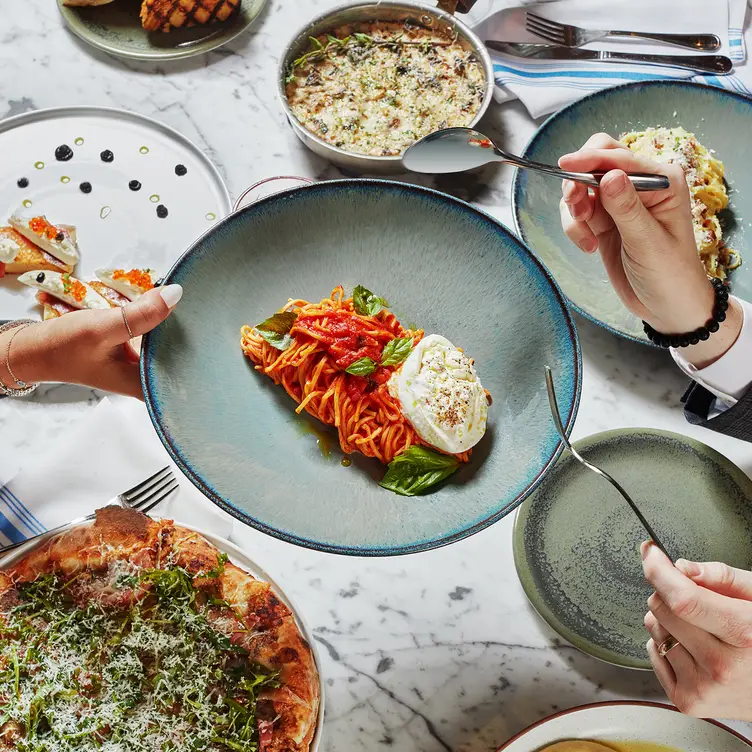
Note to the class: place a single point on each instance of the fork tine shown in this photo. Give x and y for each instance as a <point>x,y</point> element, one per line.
<point>549,36</point>
<point>147,493</point>
<point>146,488</point>
<point>543,21</point>
<point>139,486</point>
<point>159,495</point>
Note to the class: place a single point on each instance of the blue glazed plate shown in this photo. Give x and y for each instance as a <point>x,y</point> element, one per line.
<point>719,118</point>
<point>442,265</point>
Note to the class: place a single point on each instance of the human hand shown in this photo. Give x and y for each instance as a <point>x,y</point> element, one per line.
<point>708,608</point>
<point>90,347</point>
<point>647,244</point>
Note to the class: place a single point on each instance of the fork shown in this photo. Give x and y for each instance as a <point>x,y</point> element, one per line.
<point>143,497</point>
<point>563,436</point>
<point>574,36</point>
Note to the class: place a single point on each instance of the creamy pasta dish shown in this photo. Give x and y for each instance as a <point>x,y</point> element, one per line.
<point>375,88</point>
<point>707,190</point>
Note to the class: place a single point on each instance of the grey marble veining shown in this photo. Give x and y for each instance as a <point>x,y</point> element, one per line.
<point>431,652</point>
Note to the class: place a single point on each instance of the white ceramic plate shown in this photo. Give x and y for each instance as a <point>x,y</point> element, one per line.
<point>116,225</point>
<point>242,560</point>
<point>629,721</point>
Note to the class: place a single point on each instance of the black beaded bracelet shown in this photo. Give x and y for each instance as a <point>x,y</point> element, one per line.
<point>698,335</point>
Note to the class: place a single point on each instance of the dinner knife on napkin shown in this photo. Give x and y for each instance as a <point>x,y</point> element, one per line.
<point>716,64</point>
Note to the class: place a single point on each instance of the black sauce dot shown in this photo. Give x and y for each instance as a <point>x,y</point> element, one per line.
<point>85,187</point>
<point>60,237</point>
<point>40,277</point>
<point>161,211</point>
<point>180,170</point>
<point>63,153</point>
<point>23,182</point>
<point>107,156</point>
<point>134,185</point>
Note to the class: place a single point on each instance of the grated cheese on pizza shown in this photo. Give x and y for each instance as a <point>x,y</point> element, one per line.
<point>126,657</point>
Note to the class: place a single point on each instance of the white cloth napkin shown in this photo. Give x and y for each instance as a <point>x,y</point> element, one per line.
<point>544,86</point>
<point>109,451</point>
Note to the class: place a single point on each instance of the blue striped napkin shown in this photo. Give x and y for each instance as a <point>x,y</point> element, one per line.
<point>112,449</point>
<point>544,86</point>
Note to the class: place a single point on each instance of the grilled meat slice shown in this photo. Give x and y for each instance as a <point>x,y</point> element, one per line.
<point>165,15</point>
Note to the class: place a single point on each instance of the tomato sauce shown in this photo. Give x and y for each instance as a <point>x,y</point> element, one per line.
<point>348,338</point>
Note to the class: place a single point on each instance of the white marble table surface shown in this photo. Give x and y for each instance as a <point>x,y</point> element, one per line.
<point>436,651</point>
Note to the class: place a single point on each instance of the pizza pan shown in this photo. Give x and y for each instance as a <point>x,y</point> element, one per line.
<point>241,559</point>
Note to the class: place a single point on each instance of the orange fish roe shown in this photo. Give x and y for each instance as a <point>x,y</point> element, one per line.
<point>42,227</point>
<point>73,287</point>
<point>138,278</point>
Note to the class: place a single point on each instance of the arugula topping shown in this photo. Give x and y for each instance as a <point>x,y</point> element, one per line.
<point>276,329</point>
<point>362,367</point>
<point>367,303</point>
<point>318,51</point>
<point>396,351</point>
<point>417,469</point>
<point>154,675</point>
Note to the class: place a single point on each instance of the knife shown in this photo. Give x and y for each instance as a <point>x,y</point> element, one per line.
<point>704,63</point>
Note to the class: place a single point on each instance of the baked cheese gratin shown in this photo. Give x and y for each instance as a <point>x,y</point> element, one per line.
<point>704,174</point>
<point>377,87</point>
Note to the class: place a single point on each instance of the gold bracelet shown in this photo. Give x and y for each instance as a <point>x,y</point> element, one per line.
<point>23,387</point>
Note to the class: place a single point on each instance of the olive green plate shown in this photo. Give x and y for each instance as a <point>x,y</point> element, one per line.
<point>576,541</point>
<point>116,28</point>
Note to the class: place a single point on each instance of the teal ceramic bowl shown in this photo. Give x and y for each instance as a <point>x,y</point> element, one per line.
<point>577,542</point>
<point>442,265</point>
<point>721,121</point>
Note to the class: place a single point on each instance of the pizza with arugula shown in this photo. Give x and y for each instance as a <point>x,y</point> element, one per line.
<point>139,635</point>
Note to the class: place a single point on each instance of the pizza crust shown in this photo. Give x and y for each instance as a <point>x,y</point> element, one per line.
<point>263,625</point>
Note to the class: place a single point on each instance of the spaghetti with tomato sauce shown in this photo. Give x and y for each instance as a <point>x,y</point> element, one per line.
<point>336,362</point>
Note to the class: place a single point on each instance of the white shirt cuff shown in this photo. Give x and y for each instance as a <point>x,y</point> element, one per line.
<point>730,376</point>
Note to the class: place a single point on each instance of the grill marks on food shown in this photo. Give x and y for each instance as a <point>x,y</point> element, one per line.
<point>164,15</point>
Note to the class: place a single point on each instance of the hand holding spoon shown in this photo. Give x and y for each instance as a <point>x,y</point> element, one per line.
<point>459,149</point>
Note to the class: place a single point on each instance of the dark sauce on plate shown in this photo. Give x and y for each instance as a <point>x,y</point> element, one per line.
<point>63,153</point>
<point>107,156</point>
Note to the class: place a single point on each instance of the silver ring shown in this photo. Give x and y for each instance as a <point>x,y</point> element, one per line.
<point>127,325</point>
<point>667,645</point>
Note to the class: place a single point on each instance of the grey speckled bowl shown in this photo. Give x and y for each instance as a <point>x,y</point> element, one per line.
<point>719,118</point>
<point>576,541</point>
<point>444,266</point>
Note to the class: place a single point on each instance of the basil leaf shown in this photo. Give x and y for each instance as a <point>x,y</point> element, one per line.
<point>276,329</point>
<point>362,367</point>
<point>396,351</point>
<point>366,303</point>
<point>417,469</point>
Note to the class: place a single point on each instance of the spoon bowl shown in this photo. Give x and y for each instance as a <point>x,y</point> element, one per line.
<point>460,149</point>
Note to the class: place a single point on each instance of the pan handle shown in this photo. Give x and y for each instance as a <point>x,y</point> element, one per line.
<point>267,186</point>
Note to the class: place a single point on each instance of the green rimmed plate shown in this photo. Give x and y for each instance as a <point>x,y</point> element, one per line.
<point>116,28</point>
<point>576,541</point>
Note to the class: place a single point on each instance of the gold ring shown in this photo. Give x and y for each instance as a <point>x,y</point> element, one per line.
<point>667,645</point>
<point>127,325</point>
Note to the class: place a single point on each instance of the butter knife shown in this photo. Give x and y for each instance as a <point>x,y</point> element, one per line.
<point>703,63</point>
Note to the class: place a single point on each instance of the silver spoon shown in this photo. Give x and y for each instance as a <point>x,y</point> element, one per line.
<point>563,436</point>
<point>459,149</point>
